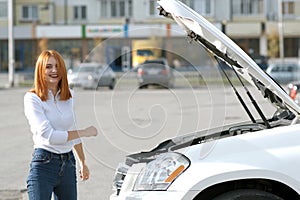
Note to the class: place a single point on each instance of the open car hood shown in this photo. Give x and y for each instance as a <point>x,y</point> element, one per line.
<point>203,32</point>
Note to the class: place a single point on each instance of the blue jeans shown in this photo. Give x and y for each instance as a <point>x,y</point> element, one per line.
<point>52,173</point>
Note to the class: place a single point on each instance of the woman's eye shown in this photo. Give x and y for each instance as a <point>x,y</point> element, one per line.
<point>48,66</point>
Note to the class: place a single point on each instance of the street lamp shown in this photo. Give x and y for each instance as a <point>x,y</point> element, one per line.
<point>280,31</point>
<point>11,56</point>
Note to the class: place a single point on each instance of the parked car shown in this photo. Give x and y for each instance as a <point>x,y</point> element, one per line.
<point>284,72</point>
<point>155,72</point>
<point>92,76</point>
<point>256,159</point>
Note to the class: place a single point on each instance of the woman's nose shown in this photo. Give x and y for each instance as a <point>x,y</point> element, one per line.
<point>54,69</point>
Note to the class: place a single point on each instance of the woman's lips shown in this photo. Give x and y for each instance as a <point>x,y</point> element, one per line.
<point>54,76</point>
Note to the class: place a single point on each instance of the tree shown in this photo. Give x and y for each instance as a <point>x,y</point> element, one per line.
<point>273,44</point>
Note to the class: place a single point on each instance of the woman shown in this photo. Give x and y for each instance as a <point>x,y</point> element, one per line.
<point>49,110</point>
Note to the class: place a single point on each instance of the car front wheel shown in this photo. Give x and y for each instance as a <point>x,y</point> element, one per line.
<point>112,85</point>
<point>247,194</point>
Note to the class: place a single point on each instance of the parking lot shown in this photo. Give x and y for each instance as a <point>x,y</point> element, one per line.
<point>128,119</point>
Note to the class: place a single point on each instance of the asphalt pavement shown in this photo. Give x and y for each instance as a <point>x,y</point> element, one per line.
<point>15,144</point>
<point>16,149</point>
<point>129,120</point>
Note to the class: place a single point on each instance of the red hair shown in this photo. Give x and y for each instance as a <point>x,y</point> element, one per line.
<point>40,85</point>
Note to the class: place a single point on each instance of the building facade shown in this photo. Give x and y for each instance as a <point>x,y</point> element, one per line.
<point>105,30</point>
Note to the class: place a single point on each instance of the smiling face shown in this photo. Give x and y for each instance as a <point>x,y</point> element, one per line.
<point>52,75</point>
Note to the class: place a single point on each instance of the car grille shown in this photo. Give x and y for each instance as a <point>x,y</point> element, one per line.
<point>121,172</point>
<point>120,175</point>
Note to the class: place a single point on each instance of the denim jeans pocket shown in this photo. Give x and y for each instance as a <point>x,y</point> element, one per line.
<point>73,161</point>
<point>40,159</point>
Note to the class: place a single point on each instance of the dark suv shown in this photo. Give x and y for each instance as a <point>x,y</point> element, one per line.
<point>155,72</point>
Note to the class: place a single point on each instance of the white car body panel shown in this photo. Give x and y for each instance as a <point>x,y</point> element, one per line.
<point>269,154</point>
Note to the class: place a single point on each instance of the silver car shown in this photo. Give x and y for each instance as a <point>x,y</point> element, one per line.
<point>92,76</point>
<point>155,72</point>
<point>284,72</point>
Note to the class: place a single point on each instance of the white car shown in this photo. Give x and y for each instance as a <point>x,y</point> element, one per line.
<point>92,76</point>
<point>259,159</point>
<point>284,72</point>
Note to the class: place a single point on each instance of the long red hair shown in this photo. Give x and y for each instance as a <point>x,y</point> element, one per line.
<point>40,85</point>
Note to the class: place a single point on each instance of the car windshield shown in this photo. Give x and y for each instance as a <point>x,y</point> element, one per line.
<point>87,69</point>
<point>144,52</point>
<point>156,66</point>
<point>154,62</point>
<point>285,67</point>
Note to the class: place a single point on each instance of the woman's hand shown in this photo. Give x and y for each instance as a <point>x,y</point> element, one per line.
<point>84,172</point>
<point>90,131</point>
<point>87,132</point>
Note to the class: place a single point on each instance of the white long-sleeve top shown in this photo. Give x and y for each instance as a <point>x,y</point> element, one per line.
<point>50,122</point>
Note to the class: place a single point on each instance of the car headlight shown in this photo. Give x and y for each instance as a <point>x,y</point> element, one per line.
<point>90,77</point>
<point>161,172</point>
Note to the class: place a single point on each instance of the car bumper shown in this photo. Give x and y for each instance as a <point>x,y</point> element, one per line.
<point>74,84</point>
<point>154,80</point>
<point>83,84</point>
<point>148,195</point>
<point>105,81</point>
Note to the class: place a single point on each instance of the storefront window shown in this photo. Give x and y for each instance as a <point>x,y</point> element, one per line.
<point>250,46</point>
<point>291,47</point>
